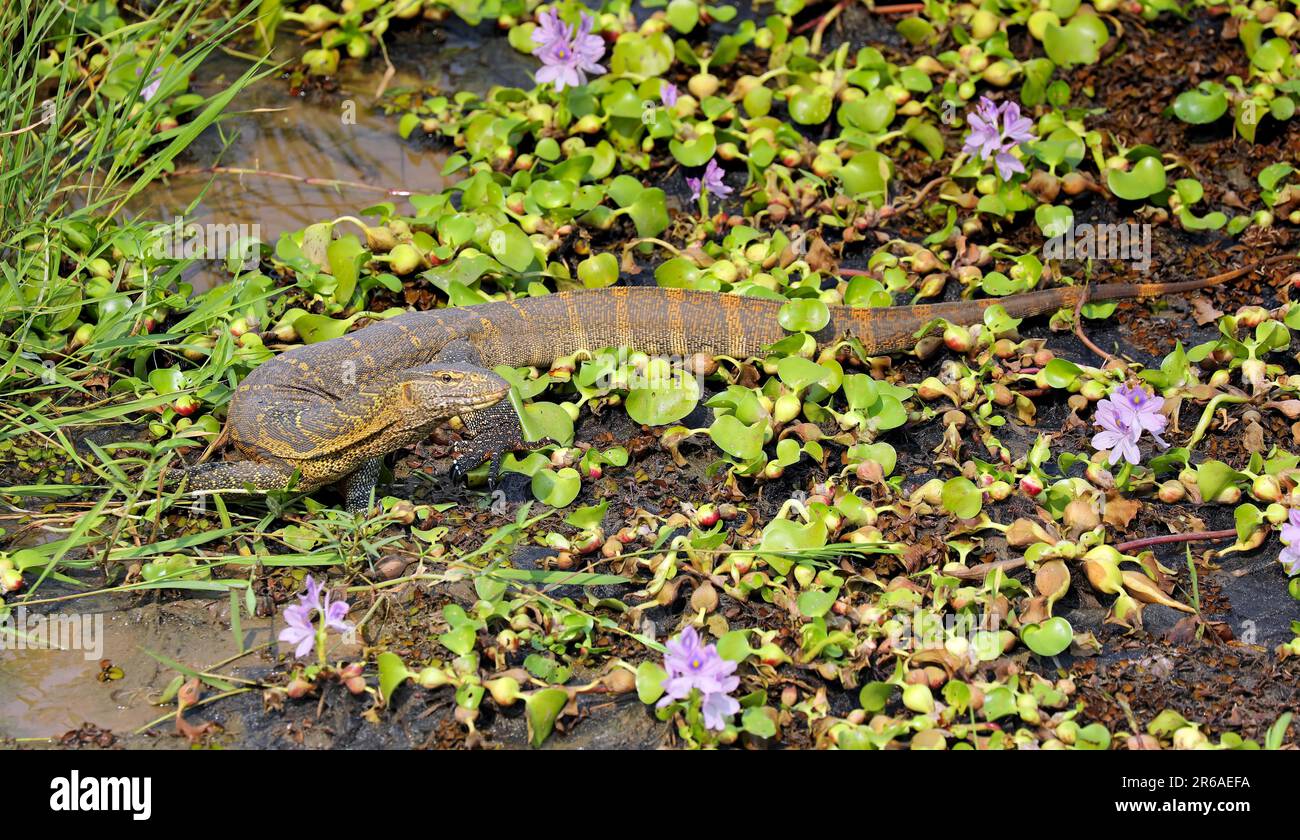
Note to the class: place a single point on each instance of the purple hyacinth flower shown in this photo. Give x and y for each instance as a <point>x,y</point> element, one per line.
<point>301,629</point>
<point>550,29</point>
<point>1143,408</point>
<point>1016,129</point>
<point>691,666</point>
<point>1123,416</point>
<point>567,57</point>
<point>1290,560</point>
<point>1290,556</point>
<point>1291,528</point>
<point>1119,433</point>
<point>712,182</point>
<point>300,633</point>
<point>590,47</point>
<point>984,138</point>
<point>685,653</point>
<point>994,131</point>
<point>150,90</point>
<point>668,93</point>
<point>1007,165</point>
<point>717,706</point>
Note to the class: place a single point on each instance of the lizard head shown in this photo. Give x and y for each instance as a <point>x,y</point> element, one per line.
<point>446,390</point>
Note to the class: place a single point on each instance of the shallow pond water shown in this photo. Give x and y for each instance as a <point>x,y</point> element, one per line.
<point>339,136</point>
<point>106,674</point>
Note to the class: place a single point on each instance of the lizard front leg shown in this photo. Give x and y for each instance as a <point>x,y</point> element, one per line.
<point>493,432</point>
<point>359,487</point>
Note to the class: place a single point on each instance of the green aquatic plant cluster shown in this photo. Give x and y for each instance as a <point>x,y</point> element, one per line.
<point>907,531</point>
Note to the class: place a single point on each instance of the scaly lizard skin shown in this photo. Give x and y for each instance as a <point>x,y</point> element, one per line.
<point>332,416</point>
<point>331,411</point>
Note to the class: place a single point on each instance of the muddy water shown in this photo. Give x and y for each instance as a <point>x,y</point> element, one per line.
<point>104,674</point>
<point>336,136</point>
<point>339,136</point>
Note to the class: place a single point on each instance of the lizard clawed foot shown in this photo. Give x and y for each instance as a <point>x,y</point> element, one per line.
<point>464,464</point>
<point>493,432</point>
<point>479,450</point>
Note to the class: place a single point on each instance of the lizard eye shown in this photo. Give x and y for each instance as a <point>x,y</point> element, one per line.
<point>447,377</point>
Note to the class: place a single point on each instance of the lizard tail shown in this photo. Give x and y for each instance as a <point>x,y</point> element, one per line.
<point>1115,291</point>
<point>893,330</point>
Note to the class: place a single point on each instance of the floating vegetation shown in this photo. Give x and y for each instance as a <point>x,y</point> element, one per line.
<point>903,441</point>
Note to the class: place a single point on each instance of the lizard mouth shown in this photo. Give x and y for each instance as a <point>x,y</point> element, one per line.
<point>489,401</point>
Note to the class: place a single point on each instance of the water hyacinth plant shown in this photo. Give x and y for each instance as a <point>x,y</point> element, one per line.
<point>700,679</point>
<point>711,183</point>
<point>1290,556</point>
<point>311,619</point>
<point>1123,416</point>
<point>995,130</point>
<point>567,55</point>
